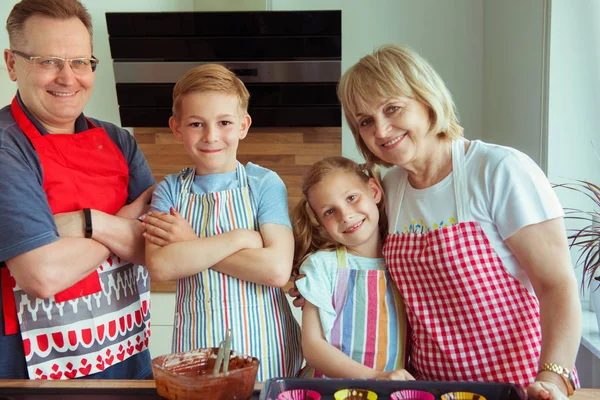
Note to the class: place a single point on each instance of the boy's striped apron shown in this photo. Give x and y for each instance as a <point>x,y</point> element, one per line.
<point>370,324</point>
<point>209,303</point>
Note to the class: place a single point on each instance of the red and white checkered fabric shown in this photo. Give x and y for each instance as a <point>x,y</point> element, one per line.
<point>471,320</point>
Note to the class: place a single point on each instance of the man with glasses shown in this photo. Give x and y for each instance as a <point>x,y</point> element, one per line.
<point>82,65</point>
<point>75,298</point>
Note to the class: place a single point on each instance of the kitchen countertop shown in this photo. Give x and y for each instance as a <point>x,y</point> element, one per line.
<point>581,394</point>
<point>85,388</point>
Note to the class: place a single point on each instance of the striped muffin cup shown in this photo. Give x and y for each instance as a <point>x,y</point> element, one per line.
<point>462,396</point>
<point>411,395</point>
<point>355,394</point>
<point>299,394</point>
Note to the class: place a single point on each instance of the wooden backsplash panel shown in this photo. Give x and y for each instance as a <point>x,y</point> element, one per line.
<point>287,151</point>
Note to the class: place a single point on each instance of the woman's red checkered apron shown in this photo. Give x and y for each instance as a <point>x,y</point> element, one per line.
<point>471,320</point>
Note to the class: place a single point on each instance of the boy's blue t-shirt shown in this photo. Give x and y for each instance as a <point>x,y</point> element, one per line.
<point>267,190</point>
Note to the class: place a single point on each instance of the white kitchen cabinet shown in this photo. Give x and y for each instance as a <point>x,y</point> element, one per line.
<point>162,308</point>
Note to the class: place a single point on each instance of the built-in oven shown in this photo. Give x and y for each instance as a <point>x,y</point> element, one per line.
<point>289,61</point>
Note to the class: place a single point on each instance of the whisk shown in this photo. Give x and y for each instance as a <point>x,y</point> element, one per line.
<point>224,353</point>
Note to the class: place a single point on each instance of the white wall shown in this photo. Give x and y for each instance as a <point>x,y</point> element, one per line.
<point>7,88</point>
<point>103,103</point>
<point>574,103</point>
<point>574,122</point>
<point>512,74</point>
<point>448,33</point>
<point>230,5</point>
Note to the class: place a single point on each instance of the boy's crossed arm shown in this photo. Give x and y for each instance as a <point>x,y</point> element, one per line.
<point>269,265</point>
<point>173,251</point>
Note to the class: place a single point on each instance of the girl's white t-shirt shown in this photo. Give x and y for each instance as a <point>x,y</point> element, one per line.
<point>506,192</point>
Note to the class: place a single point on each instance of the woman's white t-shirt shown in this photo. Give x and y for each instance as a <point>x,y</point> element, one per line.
<point>507,191</point>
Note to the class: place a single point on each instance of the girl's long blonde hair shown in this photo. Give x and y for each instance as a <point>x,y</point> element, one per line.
<point>309,236</point>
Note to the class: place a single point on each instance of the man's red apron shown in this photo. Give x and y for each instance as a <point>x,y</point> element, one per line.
<point>471,320</point>
<point>101,320</point>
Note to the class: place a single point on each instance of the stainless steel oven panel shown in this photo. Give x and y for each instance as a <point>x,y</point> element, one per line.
<point>249,72</point>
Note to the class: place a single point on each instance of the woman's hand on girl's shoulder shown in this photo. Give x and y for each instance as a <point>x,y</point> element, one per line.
<point>396,375</point>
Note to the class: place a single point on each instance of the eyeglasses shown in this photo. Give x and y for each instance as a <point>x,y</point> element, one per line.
<point>49,63</point>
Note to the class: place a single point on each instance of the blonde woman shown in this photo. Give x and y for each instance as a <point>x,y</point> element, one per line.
<point>476,239</point>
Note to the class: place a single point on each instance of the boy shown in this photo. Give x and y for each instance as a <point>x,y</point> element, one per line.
<point>235,253</point>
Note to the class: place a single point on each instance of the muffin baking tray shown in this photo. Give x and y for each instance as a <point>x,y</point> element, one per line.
<point>272,388</point>
<point>383,389</point>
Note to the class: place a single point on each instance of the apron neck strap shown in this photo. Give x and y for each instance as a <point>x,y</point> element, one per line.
<point>340,252</point>
<point>460,180</point>
<point>187,179</point>
<point>403,181</point>
<point>241,174</point>
<point>23,121</point>
<point>90,124</point>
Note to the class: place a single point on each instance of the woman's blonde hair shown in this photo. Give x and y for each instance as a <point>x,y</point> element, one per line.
<point>210,78</point>
<point>309,236</point>
<point>393,71</point>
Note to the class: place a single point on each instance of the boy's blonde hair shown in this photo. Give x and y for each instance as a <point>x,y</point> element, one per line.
<point>210,78</point>
<point>309,236</point>
<point>393,71</point>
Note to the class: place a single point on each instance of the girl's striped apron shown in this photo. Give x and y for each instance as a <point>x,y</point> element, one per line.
<point>209,303</point>
<point>471,320</point>
<point>370,324</point>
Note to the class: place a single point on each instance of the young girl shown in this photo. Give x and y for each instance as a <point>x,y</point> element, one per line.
<point>353,321</point>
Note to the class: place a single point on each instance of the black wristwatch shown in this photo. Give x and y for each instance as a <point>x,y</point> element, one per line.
<point>87,213</point>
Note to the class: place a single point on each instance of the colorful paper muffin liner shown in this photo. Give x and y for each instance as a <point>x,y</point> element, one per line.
<point>299,394</point>
<point>355,394</point>
<point>411,395</point>
<point>462,396</point>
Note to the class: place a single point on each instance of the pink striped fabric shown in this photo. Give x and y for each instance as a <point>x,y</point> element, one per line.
<point>370,326</point>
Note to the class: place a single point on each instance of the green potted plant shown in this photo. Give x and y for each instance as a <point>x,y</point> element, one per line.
<point>587,239</point>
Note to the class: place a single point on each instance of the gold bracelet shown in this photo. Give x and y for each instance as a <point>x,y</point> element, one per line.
<point>564,373</point>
